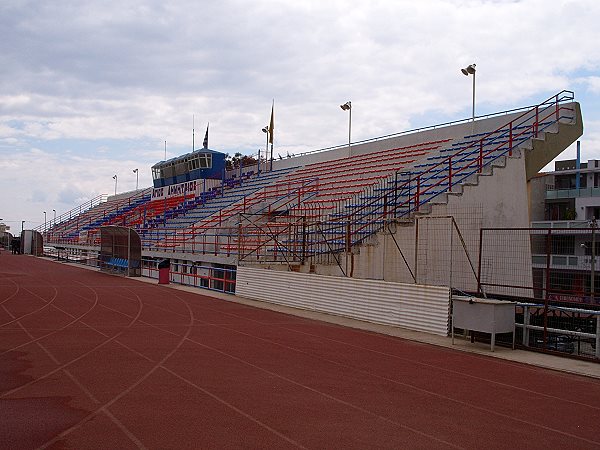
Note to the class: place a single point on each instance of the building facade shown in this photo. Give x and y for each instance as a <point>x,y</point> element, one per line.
<point>566,203</point>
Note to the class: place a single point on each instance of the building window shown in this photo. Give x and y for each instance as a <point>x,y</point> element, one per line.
<point>563,245</point>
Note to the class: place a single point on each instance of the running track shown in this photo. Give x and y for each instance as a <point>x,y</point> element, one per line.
<point>90,360</point>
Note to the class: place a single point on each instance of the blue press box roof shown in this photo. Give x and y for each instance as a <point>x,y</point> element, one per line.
<point>180,157</point>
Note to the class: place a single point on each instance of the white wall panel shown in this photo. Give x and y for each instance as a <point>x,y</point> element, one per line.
<point>411,306</point>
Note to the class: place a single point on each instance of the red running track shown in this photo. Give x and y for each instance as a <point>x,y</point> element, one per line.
<point>90,360</point>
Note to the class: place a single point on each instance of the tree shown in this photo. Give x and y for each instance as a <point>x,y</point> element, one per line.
<point>234,162</point>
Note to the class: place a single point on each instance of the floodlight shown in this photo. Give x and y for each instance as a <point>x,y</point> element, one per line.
<point>346,106</point>
<point>470,69</point>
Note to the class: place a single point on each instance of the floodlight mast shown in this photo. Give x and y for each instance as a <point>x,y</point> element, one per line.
<point>470,70</point>
<point>266,131</point>
<point>348,107</point>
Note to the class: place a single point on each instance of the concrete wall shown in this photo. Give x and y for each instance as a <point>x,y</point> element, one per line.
<point>496,201</point>
<point>537,196</point>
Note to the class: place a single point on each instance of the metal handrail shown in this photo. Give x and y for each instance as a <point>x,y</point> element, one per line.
<point>76,210</point>
<point>98,200</point>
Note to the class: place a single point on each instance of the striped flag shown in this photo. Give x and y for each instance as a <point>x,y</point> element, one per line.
<point>205,142</point>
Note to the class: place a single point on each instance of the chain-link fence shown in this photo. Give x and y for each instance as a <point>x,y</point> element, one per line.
<point>558,300</point>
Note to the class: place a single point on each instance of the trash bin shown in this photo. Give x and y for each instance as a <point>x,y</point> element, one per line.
<point>164,269</point>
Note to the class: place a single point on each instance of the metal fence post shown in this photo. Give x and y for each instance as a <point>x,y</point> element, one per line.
<point>417,193</point>
<point>593,260</point>
<point>597,335</point>
<point>546,295</point>
<point>348,245</point>
<point>526,320</point>
<point>510,139</point>
<point>450,174</point>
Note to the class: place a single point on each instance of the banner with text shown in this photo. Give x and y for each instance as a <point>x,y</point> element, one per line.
<point>189,188</point>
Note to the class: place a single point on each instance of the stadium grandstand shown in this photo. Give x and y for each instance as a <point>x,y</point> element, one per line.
<point>383,230</point>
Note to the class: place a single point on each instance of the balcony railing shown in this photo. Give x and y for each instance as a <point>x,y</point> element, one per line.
<point>569,262</point>
<point>561,224</point>
<point>553,194</point>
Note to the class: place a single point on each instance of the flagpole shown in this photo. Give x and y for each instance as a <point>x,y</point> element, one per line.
<point>271,131</point>
<point>193,143</point>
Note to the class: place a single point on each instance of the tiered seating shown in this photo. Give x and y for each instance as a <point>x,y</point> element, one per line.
<point>157,212</point>
<point>336,183</point>
<point>339,217</point>
<point>215,208</point>
<point>88,222</point>
<point>238,196</point>
<point>438,173</point>
<point>132,214</point>
<point>69,230</point>
<point>114,210</point>
<point>342,179</point>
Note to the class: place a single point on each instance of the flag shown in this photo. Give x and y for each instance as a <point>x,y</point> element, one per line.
<point>272,124</point>
<point>205,142</point>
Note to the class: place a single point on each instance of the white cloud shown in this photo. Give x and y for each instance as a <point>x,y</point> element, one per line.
<point>110,82</point>
<point>593,83</point>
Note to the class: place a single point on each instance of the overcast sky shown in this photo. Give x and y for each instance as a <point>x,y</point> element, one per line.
<point>89,89</point>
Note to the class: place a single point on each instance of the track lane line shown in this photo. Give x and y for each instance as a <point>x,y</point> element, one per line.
<point>54,331</point>
<point>303,386</point>
<point>417,362</point>
<point>68,373</point>
<point>421,390</point>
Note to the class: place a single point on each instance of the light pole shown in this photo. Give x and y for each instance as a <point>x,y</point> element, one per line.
<point>266,131</point>
<point>348,107</point>
<point>115,178</point>
<point>54,211</point>
<point>22,225</point>
<point>45,222</point>
<point>136,178</point>
<point>470,70</point>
